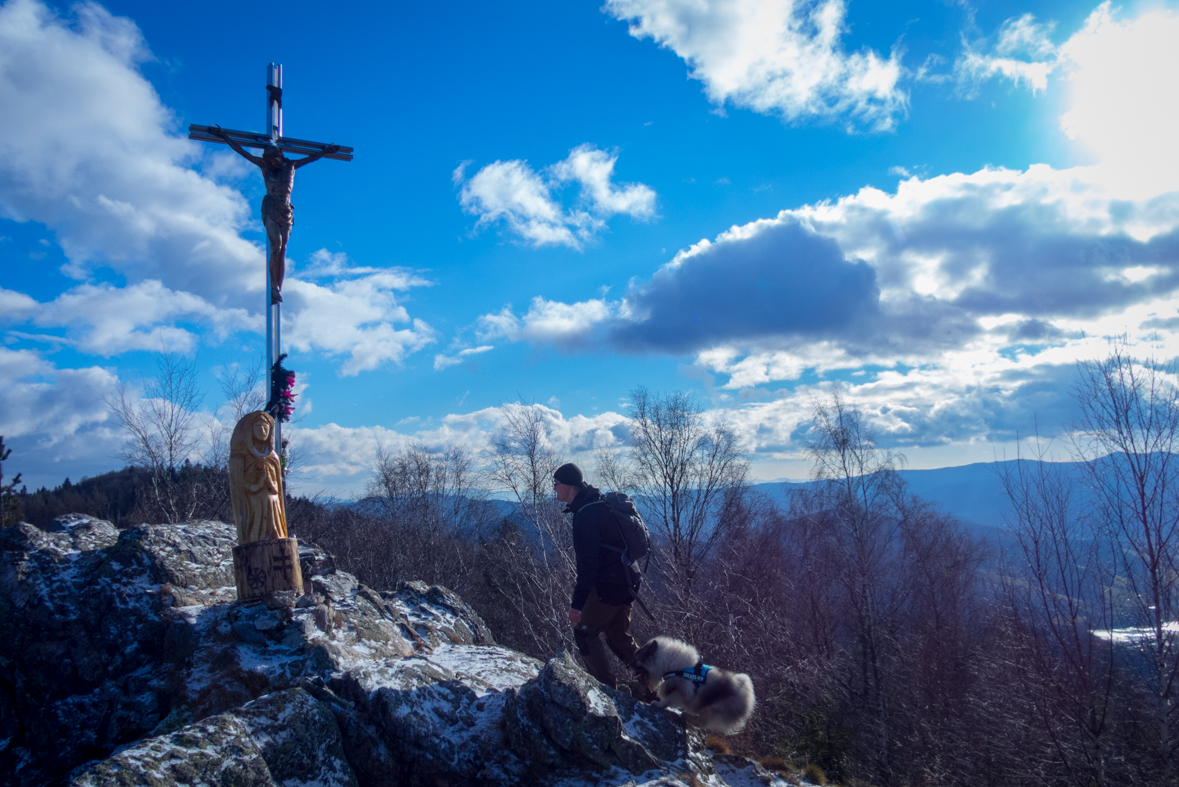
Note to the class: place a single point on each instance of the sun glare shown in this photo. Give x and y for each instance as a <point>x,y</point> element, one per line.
<point>1124,79</point>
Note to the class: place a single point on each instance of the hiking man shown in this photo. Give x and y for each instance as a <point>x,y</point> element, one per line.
<point>278,173</point>
<point>602,598</point>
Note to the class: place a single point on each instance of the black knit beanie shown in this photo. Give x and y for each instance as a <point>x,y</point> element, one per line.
<point>569,474</point>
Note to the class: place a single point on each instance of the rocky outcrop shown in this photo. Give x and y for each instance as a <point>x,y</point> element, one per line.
<point>125,658</point>
<point>284,737</point>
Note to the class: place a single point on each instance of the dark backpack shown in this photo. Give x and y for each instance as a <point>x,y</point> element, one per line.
<point>635,537</point>
<point>634,531</point>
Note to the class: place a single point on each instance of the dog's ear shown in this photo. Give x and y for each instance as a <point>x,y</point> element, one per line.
<point>647,651</point>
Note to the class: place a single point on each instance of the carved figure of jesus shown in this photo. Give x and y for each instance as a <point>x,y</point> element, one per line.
<point>255,480</point>
<point>278,173</point>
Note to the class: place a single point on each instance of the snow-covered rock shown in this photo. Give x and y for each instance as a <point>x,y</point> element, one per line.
<point>126,659</point>
<point>287,737</point>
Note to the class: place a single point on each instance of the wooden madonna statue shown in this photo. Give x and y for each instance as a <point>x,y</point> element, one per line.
<point>266,559</point>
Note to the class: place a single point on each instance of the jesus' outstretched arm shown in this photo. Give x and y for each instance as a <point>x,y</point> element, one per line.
<point>316,156</point>
<point>220,132</point>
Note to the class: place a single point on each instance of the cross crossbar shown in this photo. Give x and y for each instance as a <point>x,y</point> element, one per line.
<point>249,139</point>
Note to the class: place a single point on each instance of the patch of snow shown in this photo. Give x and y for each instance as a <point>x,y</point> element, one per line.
<point>1133,636</point>
<point>424,617</point>
<point>600,704</point>
<point>495,667</point>
<point>638,728</point>
<point>388,673</point>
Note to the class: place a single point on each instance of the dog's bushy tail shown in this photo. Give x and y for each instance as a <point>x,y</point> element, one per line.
<point>746,685</point>
<point>730,713</point>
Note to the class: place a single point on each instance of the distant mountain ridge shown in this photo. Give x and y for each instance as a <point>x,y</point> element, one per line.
<point>973,493</point>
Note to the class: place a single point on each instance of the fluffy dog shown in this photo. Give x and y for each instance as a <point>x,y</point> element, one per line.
<point>716,700</point>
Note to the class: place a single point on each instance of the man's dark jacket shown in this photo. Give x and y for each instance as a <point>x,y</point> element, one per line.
<point>597,567</point>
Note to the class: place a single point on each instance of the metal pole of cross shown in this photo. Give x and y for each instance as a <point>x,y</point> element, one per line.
<point>278,172</point>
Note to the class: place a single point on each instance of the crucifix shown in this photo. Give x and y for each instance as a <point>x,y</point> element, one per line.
<point>278,172</point>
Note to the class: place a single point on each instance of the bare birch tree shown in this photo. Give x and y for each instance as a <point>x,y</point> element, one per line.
<point>1128,435</point>
<point>688,480</point>
<point>431,506</point>
<point>162,431</point>
<point>243,393</point>
<point>1059,587</point>
<point>541,568</point>
<point>852,504</point>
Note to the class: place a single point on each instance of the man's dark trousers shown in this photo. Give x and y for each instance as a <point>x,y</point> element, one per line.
<point>614,622</point>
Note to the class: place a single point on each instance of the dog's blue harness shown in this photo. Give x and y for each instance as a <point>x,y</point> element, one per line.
<point>697,674</point>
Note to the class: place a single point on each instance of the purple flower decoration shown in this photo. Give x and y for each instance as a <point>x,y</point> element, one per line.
<point>282,391</point>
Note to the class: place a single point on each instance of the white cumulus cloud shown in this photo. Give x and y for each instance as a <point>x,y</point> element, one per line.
<point>593,169</point>
<point>340,459</point>
<point>569,324</point>
<point>54,419</point>
<point>1022,52</point>
<point>981,261</point>
<point>356,317</point>
<point>88,149</point>
<point>446,361</point>
<point>782,57</point>
<point>107,320</point>
<point>529,202</point>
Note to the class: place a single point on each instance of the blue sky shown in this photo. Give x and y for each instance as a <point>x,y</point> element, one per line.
<point>942,206</point>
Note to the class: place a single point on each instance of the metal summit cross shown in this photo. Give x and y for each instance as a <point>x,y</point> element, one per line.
<point>277,214</point>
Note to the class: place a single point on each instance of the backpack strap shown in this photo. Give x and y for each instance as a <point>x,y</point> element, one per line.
<point>642,606</point>
<point>616,524</point>
<point>607,546</point>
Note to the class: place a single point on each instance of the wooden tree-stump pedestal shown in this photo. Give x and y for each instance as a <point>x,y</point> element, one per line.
<point>264,567</point>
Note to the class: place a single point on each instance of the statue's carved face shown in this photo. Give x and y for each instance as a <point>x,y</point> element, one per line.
<point>261,430</point>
